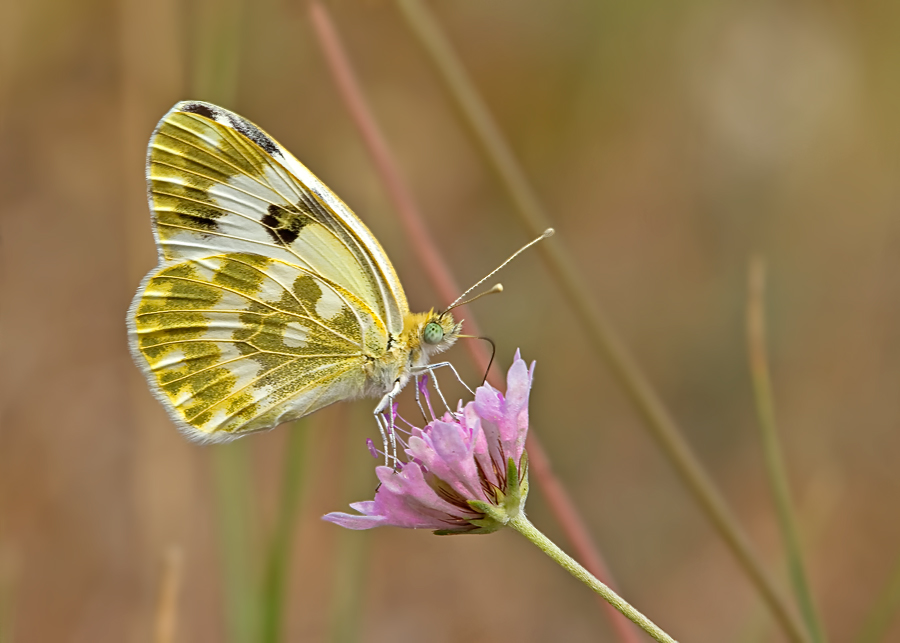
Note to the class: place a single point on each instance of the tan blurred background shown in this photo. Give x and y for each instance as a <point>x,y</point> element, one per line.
<point>669,141</point>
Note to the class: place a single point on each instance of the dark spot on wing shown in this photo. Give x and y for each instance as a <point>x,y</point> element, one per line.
<point>285,223</point>
<point>185,206</point>
<point>199,108</point>
<point>252,132</point>
<point>198,217</point>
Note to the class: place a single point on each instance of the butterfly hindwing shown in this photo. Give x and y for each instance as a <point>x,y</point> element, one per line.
<point>240,342</point>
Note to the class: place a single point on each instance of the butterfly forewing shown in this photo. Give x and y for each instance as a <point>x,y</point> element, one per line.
<point>270,296</point>
<point>218,182</point>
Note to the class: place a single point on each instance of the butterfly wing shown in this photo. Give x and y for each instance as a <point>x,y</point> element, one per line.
<point>217,182</point>
<point>270,296</point>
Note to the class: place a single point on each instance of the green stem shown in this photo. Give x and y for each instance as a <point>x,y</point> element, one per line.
<point>216,27</point>
<point>883,611</point>
<point>234,509</point>
<point>351,560</point>
<point>217,40</point>
<point>602,335</point>
<point>521,524</point>
<point>350,573</point>
<point>775,467</point>
<point>279,554</point>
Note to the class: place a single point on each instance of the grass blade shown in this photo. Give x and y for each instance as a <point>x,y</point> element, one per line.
<point>352,550</point>
<point>775,467</point>
<point>215,79</point>
<point>231,468</point>
<point>883,610</point>
<point>278,560</point>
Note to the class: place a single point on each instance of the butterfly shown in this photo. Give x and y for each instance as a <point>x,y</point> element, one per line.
<point>271,298</point>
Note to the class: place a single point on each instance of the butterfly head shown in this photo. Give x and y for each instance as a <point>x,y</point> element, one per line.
<point>431,333</point>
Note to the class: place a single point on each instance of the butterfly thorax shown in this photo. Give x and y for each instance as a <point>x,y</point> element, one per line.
<point>412,349</point>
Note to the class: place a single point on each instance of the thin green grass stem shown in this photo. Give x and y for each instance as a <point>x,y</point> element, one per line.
<point>814,514</point>
<point>234,509</point>
<point>351,562</point>
<point>278,557</point>
<point>603,337</point>
<point>214,63</point>
<point>521,524</point>
<point>216,53</point>
<point>774,459</point>
<point>351,570</point>
<point>884,610</point>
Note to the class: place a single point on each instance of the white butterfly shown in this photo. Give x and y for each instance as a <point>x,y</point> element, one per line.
<point>271,298</point>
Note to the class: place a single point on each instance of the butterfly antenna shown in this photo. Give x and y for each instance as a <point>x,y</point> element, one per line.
<point>547,233</point>
<point>495,289</point>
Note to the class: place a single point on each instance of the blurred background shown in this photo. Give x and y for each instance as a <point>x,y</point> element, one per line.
<point>668,141</point>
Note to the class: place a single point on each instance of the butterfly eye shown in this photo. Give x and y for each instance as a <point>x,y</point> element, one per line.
<point>433,333</point>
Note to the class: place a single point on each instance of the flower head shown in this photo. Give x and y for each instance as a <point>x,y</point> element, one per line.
<point>465,472</point>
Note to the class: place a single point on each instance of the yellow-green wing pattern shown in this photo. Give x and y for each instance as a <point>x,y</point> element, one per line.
<point>218,183</point>
<point>241,342</point>
<point>271,297</point>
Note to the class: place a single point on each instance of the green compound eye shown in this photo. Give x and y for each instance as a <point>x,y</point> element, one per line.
<point>433,333</point>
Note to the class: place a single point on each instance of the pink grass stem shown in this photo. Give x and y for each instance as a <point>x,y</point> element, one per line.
<point>442,279</point>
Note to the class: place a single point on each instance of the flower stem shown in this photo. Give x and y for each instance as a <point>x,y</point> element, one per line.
<point>521,524</point>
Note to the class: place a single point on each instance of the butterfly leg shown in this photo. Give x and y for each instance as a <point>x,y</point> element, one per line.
<point>388,437</point>
<point>419,399</point>
<point>430,368</point>
<point>385,426</point>
<point>380,421</point>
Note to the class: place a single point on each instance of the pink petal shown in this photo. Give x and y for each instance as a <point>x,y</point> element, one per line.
<point>443,450</point>
<point>406,500</point>
<point>351,521</point>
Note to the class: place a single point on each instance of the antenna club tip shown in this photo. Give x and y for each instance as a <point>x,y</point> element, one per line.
<point>497,288</point>
<point>549,232</point>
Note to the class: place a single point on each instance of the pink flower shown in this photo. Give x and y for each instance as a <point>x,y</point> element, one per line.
<point>463,474</point>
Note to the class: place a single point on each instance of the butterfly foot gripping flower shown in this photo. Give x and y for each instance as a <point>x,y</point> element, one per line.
<point>465,473</point>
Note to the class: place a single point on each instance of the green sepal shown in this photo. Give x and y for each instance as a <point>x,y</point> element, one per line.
<point>494,516</point>
<point>523,478</point>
